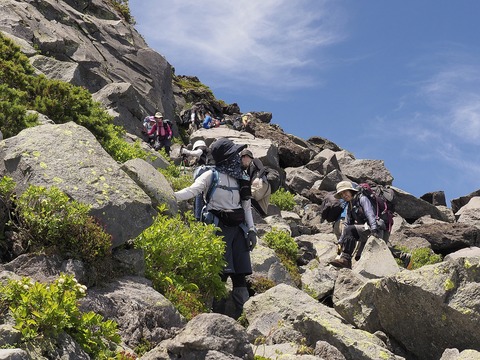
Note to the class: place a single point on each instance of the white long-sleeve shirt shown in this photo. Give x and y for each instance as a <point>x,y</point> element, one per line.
<point>222,198</point>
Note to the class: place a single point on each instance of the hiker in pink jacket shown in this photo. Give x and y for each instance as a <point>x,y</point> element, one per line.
<point>163,133</point>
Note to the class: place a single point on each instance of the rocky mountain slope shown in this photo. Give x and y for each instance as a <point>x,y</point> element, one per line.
<point>377,310</point>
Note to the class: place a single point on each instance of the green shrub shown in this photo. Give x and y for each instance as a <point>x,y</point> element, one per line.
<point>62,102</point>
<point>176,178</point>
<point>46,219</point>
<point>286,249</point>
<point>282,243</point>
<point>41,312</point>
<point>283,199</point>
<point>184,260</point>
<point>122,7</point>
<point>424,256</point>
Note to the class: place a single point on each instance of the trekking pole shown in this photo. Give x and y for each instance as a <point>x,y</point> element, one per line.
<point>184,164</point>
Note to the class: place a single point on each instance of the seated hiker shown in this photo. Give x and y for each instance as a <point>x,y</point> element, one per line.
<point>247,123</point>
<point>228,207</point>
<point>360,223</point>
<point>162,132</point>
<point>148,123</point>
<point>261,190</point>
<point>200,153</point>
<point>208,122</point>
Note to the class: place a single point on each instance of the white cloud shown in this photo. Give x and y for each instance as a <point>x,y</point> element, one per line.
<point>250,42</point>
<point>454,97</point>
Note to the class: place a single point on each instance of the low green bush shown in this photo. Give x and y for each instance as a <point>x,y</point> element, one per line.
<point>22,90</point>
<point>283,199</point>
<point>286,249</point>
<point>46,219</point>
<point>184,260</point>
<point>177,178</point>
<point>420,257</point>
<point>424,256</point>
<point>43,311</point>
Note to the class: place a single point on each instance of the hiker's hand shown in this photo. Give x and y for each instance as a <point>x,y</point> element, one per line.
<point>252,239</point>
<point>339,249</point>
<point>376,233</point>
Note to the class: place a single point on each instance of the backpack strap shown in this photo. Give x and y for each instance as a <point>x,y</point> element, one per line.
<point>214,185</point>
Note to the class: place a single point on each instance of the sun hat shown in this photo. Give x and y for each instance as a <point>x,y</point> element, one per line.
<point>247,153</point>
<point>342,186</point>
<point>198,143</point>
<point>158,115</point>
<point>223,148</point>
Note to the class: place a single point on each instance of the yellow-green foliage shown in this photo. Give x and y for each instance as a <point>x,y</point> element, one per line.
<point>123,8</point>
<point>188,83</point>
<point>43,311</point>
<point>283,199</point>
<point>260,284</point>
<point>177,179</point>
<point>21,90</point>
<point>184,259</point>
<point>449,285</point>
<point>282,243</point>
<point>286,249</point>
<point>46,219</point>
<point>421,257</point>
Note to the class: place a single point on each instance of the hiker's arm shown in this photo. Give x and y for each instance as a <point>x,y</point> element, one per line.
<point>247,207</point>
<point>369,212</point>
<point>200,185</point>
<point>197,153</point>
<point>153,130</point>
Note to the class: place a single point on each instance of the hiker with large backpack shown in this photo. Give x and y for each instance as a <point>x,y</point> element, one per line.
<point>228,207</point>
<point>148,124</point>
<point>163,133</point>
<point>261,189</point>
<point>202,161</point>
<point>362,220</point>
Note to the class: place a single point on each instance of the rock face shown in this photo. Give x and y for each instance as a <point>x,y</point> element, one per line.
<point>87,43</point>
<point>376,310</point>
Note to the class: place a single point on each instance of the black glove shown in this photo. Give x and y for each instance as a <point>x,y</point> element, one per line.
<point>252,239</point>
<point>376,233</point>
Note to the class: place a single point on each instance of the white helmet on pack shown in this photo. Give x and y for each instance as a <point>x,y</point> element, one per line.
<point>198,143</point>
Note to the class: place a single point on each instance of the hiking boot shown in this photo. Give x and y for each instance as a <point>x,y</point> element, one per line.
<point>407,261</point>
<point>341,263</point>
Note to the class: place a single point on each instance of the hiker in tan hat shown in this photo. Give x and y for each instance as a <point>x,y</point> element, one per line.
<point>162,132</point>
<point>360,223</point>
<point>359,213</point>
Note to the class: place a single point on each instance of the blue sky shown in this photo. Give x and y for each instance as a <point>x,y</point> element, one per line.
<point>392,80</point>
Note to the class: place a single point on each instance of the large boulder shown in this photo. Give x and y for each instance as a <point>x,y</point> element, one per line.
<point>142,313</point>
<point>206,336</point>
<point>426,310</point>
<point>69,157</point>
<point>283,308</point>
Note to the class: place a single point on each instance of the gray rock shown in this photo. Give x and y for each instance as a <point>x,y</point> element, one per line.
<point>436,307</point>
<point>362,170</point>
<point>152,182</point>
<point>69,157</point>
<point>211,336</point>
<point>283,306</point>
<point>142,313</point>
